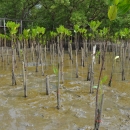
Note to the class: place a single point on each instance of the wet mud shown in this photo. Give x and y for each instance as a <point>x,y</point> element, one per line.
<point>38,111</point>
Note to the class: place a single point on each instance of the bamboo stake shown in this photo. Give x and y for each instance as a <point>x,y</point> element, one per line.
<point>92,70</point>
<point>47,85</point>
<point>82,57</point>
<point>7,52</point>
<point>15,58</point>
<point>24,81</point>
<point>76,64</point>
<point>41,60</point>
<point>62,65</point>
<point>51,52</point>
<point>45,55</point>
<point>13,66</point>
<point>37,58</point>
<point>123,62</point>
<point>2,54</point>
<point>99,113</point>
<point>89,72</point>
<point>58,88</point>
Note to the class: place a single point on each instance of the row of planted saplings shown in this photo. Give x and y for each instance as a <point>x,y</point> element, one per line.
<point>37,57</point>
<point>37,50</point>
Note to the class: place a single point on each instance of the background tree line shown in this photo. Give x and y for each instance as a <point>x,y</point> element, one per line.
<point>52,13</point>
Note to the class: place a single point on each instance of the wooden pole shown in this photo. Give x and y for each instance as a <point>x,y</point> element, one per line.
<point>58,88</point>
<point>24,81</point>
<point>47,85</point>
<point>76,64</point>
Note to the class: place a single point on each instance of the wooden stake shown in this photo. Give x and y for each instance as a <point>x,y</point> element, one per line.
<point>58,88</point>
<point>47,86</point>
<point>76,63</point>
<point>24,80</point>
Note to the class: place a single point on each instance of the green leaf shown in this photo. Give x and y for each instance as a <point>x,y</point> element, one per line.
<point>98,53</point>
<point>108,2</point>
<point>112,12</point>
<point>123,8</point>
<point>55,70</point>
<point>116,2</point>
<point>103,80</point>
<point>94,25</point>
<point>13,27</point>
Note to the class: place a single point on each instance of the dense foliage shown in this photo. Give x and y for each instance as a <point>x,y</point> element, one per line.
<point>52,13</point>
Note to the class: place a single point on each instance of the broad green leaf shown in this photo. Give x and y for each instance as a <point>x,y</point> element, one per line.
<point>94,25</point>
<point>116,2</point>
<point>13,27</point>
<point>112,12</point>
<point>122,9</point>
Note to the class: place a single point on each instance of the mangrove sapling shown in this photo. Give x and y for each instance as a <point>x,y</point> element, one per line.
<point>103,33</point>
<point>38,32</point>
<point>100,104</point>
<point>57,73</point>
<point>98,107</point>
<point>76,36</point>
<point>112,71</point>
<point>33,38</point>
<point>26,36</point>
<point>13,29</point>
<point>62,32</point>
<point>47,85</point>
